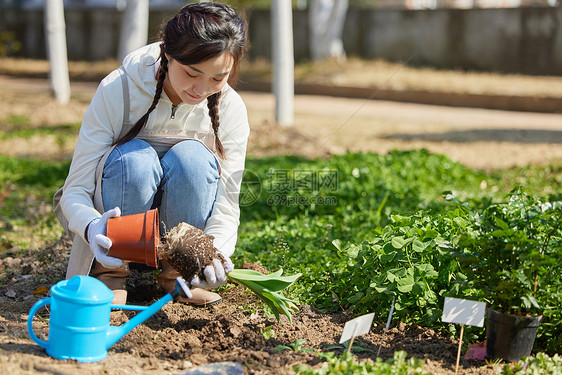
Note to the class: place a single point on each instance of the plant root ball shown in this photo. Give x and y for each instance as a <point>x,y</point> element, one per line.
<point>188,250</point>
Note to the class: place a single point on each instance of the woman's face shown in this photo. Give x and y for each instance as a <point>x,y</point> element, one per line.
<point>192,84</point>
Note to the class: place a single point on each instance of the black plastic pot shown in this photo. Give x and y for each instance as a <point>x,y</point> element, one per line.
<point>510,337</point>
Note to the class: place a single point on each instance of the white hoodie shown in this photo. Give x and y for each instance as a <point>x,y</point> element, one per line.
<point>103,122</point>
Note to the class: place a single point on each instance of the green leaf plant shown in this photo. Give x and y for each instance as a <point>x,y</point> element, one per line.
<point>296,346</point>
<point>411,261</point>
<point>268,288</point>
<point>513,260</point>
<point>345,347</point>
<point>514,255</point>
<point>347,364</point>
<point>539,364</point>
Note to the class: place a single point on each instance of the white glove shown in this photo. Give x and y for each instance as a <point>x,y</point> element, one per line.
<point>215,275</point>
<point>99,242</point>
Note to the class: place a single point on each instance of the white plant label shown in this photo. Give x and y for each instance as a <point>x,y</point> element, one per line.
<point>463,311</point>
<point>356,327</point>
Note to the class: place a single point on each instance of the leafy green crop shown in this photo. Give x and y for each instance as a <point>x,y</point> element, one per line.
<point>296,346</point>
<point>411,261</point>
<point>539,364</point>
<point>513,258</point>
<point>269,289</point>
<point>347,364</point>
<point>389,233</point>
<point>517,243</point>
<point>286,227</point>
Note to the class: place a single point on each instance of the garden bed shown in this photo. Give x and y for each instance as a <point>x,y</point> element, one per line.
<point>181,337</point>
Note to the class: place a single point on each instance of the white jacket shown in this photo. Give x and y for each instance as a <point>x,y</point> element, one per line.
<point>103,123</point>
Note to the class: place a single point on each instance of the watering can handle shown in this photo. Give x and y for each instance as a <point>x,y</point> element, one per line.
<point>34,309</point>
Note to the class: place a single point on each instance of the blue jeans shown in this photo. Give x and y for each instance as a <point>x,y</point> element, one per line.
<point>181,181</point>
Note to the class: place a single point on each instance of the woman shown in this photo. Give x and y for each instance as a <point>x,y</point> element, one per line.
<point>185,153</point>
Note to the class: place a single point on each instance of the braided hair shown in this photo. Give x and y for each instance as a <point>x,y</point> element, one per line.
<point>135,130</point>
<point>197,33</point>
<point>213,105</point>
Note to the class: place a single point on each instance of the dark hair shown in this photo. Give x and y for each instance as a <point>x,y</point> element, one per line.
<point>199,32</point>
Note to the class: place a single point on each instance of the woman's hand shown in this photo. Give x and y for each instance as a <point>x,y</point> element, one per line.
<point>99,242</point>
<point>215,275</point>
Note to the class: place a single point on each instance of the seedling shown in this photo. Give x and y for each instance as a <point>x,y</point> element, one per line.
<point>189,250</point>
<point>248,308</point>
<point>268,332</point>
<point>493,362</point>
<point>295,347</point>
<point>268,288</point>
<point>345,347</point>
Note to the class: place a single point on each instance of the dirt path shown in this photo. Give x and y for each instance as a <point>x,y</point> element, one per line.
<point>479,138</point>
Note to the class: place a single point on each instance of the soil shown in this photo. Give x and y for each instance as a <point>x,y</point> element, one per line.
<point>181,337</point>
<point>188,249</point>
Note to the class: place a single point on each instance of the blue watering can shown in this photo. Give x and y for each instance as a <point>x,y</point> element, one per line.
<point>79,325</point>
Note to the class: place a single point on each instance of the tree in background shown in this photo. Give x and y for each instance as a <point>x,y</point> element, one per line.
<point>326,20</point>
<point>134,28</point>
<point>55,29</point>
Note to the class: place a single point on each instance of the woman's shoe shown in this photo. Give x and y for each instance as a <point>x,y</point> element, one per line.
<point>201,297</point>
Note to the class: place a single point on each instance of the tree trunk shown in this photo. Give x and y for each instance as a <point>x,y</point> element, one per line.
<point>134,27</point>
<point>326,19</point>
<point>283,60</point>
<point>56,50</point>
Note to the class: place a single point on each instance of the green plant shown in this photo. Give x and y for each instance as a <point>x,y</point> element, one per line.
<point>368,190</point>
<point>512,255</point>
<point>345,347</point>
<point>296,346</point>
<point>268,288</point>
<point>410,261</point>
<point>248,308</point>
<point>493,362</point>
<point>347,364</point>
<point>267,332</point>
<point>539,364</point>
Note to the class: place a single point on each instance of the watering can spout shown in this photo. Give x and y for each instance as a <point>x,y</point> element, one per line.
<point>115,334</point>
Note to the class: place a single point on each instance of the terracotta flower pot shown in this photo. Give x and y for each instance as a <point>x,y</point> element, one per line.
<point>135,238</point>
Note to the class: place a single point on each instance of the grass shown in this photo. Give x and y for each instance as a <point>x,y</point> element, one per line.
<point>368,188</point>
<point>26,190</point>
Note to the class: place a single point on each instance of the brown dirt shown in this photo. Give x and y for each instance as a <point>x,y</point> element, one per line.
<point>181,337</point>
<point>188,249</point>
